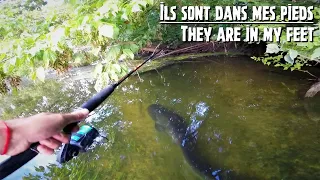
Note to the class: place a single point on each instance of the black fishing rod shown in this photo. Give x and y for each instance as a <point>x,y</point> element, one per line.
<point>13,163</point>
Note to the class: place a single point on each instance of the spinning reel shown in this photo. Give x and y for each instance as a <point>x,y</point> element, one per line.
<point>80,142</point>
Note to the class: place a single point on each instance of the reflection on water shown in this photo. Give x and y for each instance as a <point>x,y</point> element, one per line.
<point>40,161</point>
<point>249,120</point>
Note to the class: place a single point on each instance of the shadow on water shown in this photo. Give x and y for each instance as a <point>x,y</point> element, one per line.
<point>248,119</point>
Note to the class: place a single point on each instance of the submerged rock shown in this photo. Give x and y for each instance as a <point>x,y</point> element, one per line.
<point>312,101</point>
<point>311,105</point>
<point>314,89</point>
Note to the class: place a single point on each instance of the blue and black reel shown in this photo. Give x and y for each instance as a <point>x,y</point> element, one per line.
<point>80,142</point>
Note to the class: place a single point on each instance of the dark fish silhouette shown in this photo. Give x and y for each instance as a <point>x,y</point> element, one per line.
<point>175,126</point>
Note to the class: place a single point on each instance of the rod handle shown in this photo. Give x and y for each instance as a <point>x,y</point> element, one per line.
<point>92,104</point>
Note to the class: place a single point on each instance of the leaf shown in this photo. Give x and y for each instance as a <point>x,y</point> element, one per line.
<point>106,78</point>
<point>288,59</point>
<point>39,169</point>
<point>113,76</point>
<point>33,75</point>
<point>122,57</point>
<point>78,58</point>
<point>150,1</point>
<point>124,70</point>
<point>40,73</point>
<point>98,70</point>
<point>12,61</point>
<point>20,61</point>
<point>310,45</point>
<point>293,54</point>
<point>272,48</point>
<point>102,81</point>
<point>99,84</point>
<point>29,42</point>
<point>2,56</point>
<point>106,31</point>
<point>113,53</point>
<point>124,16</point>
<point>57,35</point>
<point>315,54</point>
<point>5,68</point>
<point>316,33</point>
<point>49,56</point>
<point>136,8</point>
<point>104,9</point>
<point>298,66</point>
<point>117,67</point>
<point>84,21</point>
<point>303,44</point>
<point>128,53</point>
<point>134,48</point>
<point>115,32</point>
<point>95,51</point>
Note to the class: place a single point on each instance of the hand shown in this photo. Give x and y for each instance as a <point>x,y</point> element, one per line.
<point>44,128</point>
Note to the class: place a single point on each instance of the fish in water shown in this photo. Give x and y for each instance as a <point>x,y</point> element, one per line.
<point>175,126</point>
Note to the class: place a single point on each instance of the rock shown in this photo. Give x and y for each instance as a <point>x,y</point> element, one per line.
<point>312,107</point>
<point>314,89</point>
<point>312,102</point>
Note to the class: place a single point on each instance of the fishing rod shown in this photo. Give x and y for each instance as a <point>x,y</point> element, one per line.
<point>13,163</point>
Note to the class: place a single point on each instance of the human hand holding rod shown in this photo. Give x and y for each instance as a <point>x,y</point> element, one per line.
<point>21,136</point>
<point>44,128</point>
<point>15,162</point>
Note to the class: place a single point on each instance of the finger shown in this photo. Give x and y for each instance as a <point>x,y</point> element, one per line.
<point>45,150</point>
<point>75,129</point>
<point>63,138</point>
<point>51,143</point>
<point>75,116</point>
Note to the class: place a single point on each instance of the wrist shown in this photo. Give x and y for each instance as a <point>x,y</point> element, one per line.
<point>2,136</point>
<point>5,141</point>
<point>17,137</point>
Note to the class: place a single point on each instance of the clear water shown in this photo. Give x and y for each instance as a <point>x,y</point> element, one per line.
<point>252,120</point>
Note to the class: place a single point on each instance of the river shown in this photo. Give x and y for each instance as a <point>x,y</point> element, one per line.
<point>253,121</point>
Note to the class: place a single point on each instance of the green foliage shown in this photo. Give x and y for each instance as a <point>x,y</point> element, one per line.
<point>107,31</point>
<point>24,50</point>
<point>293,55</point>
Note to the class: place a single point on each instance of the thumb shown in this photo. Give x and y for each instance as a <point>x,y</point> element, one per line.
<point>75,116</point>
